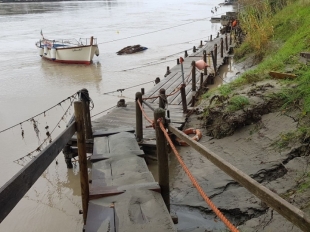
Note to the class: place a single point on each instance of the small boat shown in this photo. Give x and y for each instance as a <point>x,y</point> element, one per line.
<point>131,49</point>
<point>70,51</point>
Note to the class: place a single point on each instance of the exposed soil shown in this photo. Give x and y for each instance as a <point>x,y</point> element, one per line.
<point>249,140</point>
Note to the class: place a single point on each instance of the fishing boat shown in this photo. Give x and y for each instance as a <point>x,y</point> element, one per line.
<point>70,51</point>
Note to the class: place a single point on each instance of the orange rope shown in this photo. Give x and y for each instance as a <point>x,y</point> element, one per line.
<point>174,91</point>
<point>195,183</point>
<point>144,114</point>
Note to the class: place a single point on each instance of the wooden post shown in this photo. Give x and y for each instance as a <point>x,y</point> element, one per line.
<point>139,128</point>
<point>78,111</point>
<point>178,61</point>
<point>215,55</point>
<point>200,44</point>
<point>210,37</point>
<point>194,49</point>
<point>162,157</point>
<point>185,54</point>
<point>205,71</point>
<point>183,96</point>
<point>218,35</point>
<point>193,82</point>
<point>201,81</point>
<point>168,71</point>
<point>226,42</point>
<point>222,47</point>
<point>162,98</point>
<point>86,113</point>
<point>142,91</point>
<point>157,80</point>
<point>214,66</point>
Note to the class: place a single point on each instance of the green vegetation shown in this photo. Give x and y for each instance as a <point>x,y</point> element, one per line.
<point>276,33</point>
<point>237,103</point>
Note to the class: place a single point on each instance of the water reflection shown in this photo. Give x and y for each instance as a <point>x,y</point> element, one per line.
<point>72,74</point>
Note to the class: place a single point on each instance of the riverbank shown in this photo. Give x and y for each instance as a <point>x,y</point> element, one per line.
<point>258,124</point>
<point>254,149</point>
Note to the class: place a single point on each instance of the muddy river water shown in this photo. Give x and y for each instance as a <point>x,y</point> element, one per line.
<point>30,85</point>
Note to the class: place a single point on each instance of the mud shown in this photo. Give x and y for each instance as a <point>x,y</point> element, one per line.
<point>246,139</point>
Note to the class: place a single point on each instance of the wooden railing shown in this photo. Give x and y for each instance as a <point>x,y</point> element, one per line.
<point>284,208</point>
<point>15,189</point>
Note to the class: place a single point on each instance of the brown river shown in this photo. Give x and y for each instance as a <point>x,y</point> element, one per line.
<point>30,86</point>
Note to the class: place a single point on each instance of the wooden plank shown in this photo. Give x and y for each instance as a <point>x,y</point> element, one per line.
<point>119,165</point>
<point>100,218</point>
<point>97,157</point>
<point>287,210</point>
<point>106,132</point>
<point>107,185</point>
<point>96,191</point>
<point>136,210</point>
<point>155,90</point>
<point>279,75</point>
<point>14,190</point>
<point>101,145</point>
<point>139,210</point>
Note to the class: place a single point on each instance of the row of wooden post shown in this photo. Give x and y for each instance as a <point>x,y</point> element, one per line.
<point>160,113</point>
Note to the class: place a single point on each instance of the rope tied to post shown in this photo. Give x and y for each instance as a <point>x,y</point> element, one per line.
<point>145,116</point>
<point>194,181</point>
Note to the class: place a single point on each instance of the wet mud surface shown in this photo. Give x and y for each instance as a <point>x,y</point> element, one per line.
<point>246,139</point>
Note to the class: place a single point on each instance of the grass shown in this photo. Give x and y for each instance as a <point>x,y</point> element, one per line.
<point>282,45</point>
<point>237,103</point>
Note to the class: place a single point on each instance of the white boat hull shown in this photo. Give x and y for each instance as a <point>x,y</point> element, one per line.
<point>82,54</point>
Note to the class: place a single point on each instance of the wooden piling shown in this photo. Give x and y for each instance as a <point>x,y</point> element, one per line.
<point>178,61</point>
<point>162,157</point>
<point>162,98</point>
<point>142,91</point>
<point>210,37</point>
<point>84,97</point>
<point>194,49</point>
<point>185,54</point>
<point>201,44</point>
<point>215,54</point>
<point>205,71</point>
<point>78,111</point>
<point>201,81</point>
<point>157,80</point>
<point>168,71</point>
<point>226,42</point>
<point>193,82</point>
<point>139,128</point>
<point>183,96</point>
<point>214,65</point>
<point>222,47</point>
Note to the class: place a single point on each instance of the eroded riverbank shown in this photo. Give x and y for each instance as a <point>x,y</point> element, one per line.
<point>254,148</point>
